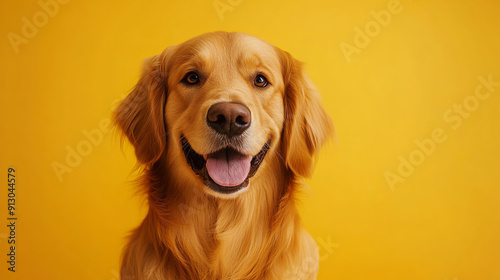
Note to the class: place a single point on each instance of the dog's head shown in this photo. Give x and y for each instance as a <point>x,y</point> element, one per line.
<point>214,108</point>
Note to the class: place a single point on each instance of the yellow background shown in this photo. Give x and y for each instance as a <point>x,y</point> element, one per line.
<point>442,222</point>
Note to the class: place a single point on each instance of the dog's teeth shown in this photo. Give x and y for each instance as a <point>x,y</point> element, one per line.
<point>205,157</point>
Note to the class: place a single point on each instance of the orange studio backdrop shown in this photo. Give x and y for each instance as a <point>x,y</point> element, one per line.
<point>409,190</point>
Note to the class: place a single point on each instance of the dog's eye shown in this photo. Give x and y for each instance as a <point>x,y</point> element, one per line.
<point>260,81</point>
<point>191,78</point>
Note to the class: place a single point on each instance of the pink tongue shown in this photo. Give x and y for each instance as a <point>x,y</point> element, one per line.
<point>228,168</point>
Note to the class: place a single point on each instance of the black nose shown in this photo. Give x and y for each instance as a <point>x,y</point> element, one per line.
<point>229,118</point>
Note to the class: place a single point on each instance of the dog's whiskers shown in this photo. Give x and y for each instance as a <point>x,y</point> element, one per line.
<point>274,150</point>
<point>186,144</point>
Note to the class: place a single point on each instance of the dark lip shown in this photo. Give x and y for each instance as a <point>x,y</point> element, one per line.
<point>198,165</point>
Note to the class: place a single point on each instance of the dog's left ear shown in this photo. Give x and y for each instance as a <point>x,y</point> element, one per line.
<point>307,125</point>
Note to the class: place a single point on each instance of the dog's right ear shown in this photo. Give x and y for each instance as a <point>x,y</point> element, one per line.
<point>140,116</point>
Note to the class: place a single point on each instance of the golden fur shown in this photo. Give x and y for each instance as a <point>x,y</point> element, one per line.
<point>191,231</point>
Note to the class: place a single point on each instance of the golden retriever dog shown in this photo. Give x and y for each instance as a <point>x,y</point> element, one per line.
<point>224,127</point>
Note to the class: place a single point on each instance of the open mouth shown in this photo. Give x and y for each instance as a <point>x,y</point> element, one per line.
<point>225,171</point>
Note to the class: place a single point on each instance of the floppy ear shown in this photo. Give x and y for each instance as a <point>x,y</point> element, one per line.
<point>140,116</point>
<point>307,125</point>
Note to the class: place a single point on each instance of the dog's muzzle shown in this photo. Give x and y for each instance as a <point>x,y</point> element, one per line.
<point>225,171</point>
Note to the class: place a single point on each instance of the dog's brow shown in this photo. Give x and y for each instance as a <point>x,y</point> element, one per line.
<point>194,57</point>
<point>195,61</point>
<point>256,62</point>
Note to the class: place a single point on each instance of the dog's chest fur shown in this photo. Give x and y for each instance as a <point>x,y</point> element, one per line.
<point>251,237</point>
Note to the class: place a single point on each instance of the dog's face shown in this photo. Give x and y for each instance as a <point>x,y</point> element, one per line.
<point>217,105</point>
<point>224,107</point>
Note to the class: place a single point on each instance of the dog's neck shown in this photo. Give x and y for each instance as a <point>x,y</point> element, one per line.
<point>229,237</point>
